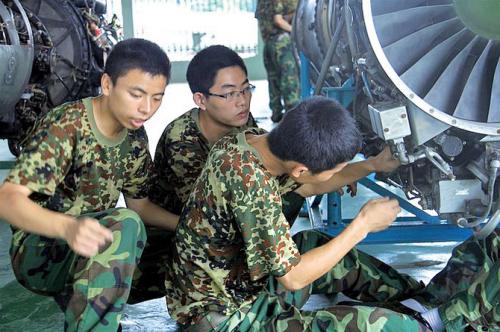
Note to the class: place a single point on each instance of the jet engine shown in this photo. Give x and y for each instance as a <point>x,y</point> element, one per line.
<point>51,52</point>
<point>426,80</point>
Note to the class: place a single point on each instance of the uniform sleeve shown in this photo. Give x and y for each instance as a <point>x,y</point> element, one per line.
<point>278,8</point>
<point>185,162</point>
<point>139,166</point>
<point>180,156</point>
<point>47,157</point>
<point>160,191</point>
<point>287,184</point>
<point>251,123</point>
<point>256,205</point>
<point>177,165</point>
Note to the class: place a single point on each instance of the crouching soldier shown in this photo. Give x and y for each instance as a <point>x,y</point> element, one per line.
<point>69,240</point>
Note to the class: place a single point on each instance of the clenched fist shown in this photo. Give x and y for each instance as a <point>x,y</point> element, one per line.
<point>85,236</point>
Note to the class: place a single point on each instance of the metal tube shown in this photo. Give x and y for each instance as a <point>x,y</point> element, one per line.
<point>328,58</point>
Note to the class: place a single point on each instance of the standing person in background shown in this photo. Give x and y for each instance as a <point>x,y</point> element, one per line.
<point>275,18</point>
<point>69,239</point>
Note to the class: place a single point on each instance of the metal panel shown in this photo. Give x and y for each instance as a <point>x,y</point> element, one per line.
<point>454,194</point>
<point>389,121</point>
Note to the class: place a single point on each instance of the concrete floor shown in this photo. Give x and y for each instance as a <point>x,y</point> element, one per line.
<point>22,310</point>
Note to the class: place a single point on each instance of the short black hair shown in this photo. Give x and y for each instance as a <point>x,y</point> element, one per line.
<point>206,64</point>
<point>318,133</point>
<point>137,53</point>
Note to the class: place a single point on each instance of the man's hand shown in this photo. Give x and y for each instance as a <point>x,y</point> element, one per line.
<point>85,236</point>
<point>377,214</point>
<point>282,23</point>
<point>384,161</point>
<point>352,189</point>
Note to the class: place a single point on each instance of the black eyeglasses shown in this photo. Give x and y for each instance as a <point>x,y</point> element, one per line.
<point>232,95</point>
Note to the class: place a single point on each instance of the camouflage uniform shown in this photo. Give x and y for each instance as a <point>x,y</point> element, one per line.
<point>179,158</point>
<point>73,169</point>
<point>281,67</point>
<point>467,290</point>
<point>232,237</point>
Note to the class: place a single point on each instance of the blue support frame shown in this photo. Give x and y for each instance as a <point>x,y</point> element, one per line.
<point>305,86</point>
<point>421,228</point>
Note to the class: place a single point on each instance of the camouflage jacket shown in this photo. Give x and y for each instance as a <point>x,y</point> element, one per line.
<point>232,234</point>
<point>179,158</point>
<point>72,168</point>
<point>266,9</point>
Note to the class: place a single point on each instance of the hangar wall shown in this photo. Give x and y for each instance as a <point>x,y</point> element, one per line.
<point>253,59</point>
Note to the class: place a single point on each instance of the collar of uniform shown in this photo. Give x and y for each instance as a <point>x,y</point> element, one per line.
<point>242,140</point>
<point>195,116</point>
<point>103,140</point>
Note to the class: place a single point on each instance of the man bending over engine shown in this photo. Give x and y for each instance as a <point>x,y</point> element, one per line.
<point>236,267</point>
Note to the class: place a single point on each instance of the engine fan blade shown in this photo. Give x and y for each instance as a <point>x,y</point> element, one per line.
<point>447,90</point>
<point>391,27</point>
<point>405,52</point>
<point>494,113</point>
<point>475,99</point>
<point>423,74</point>
<point>389,6</point>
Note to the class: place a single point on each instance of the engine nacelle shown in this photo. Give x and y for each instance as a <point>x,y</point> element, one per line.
<point>427,81</point>
<point>51,52</point>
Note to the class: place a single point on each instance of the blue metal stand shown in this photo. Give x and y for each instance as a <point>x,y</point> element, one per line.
<point>423,227</point>
<point>305,86</point>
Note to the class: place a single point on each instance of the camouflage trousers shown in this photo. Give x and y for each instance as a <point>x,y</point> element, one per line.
<point>92,292</point>
<point>149,276</point>
<point>357,275</point>
<point>465,292</point>
<point>282,73</point>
